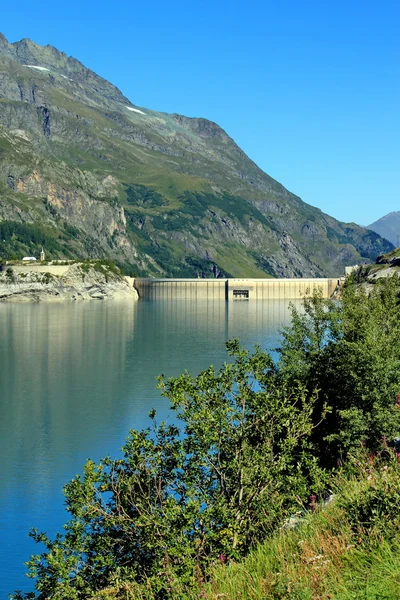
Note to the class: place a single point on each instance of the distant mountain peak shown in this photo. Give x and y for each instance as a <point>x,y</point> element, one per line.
<point>392,214</point>
<point>388,227</point>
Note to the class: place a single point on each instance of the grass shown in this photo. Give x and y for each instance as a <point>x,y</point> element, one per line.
<point>233,258</point>
<point>313,564</point>
<point>346,550</point>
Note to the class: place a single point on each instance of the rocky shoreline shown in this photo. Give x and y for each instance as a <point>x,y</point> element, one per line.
<point>80,281</point>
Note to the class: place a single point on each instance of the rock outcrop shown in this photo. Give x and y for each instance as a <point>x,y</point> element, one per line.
<point>80,281</point>
<point>386,265</point>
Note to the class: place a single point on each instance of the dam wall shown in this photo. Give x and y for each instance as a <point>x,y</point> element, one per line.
<point>278,289</point>
<point>192,289</point>
<point>233,289</point>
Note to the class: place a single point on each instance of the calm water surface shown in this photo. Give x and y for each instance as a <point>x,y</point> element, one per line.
<point>76,377</point>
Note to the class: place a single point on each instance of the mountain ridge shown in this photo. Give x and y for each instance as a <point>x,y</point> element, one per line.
<point>28,53</point>
<point>162,193</point>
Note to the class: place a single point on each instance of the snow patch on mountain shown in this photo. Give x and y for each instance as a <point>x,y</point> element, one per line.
<point>136,110</point>
<point>36,67</point>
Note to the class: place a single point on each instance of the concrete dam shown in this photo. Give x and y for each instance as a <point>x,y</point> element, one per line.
<point>233,289</point>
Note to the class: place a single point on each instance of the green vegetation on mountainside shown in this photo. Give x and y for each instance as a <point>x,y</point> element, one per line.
<point>24,238</point>
<point>251,444</point>
<point>164,194</point>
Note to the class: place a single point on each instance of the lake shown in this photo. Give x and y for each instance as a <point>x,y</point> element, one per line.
<point>75,377</point>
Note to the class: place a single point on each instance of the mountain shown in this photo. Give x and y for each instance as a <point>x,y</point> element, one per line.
<point>388,227</point>
<point>86,173</point>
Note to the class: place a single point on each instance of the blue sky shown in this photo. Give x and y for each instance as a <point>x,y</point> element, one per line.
<point>309,90</point>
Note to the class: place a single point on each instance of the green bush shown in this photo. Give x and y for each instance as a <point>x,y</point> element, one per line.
<point>350,353</point>
<point>376,508</point>
<point>10,275</point>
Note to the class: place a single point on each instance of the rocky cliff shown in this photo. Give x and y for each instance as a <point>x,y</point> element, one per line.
<point>86,173</point>
<point>81,281</point>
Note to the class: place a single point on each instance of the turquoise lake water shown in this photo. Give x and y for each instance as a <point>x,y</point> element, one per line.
<point>75,377</point>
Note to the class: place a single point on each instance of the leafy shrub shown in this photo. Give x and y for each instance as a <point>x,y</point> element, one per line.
<point>10,275</point>
<point>371,501</point>
<point>350,352</point>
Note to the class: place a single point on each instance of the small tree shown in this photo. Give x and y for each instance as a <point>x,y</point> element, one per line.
<point>350,353</point>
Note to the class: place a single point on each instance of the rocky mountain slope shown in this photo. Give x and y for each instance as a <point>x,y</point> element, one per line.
<point>388,227</point>
<point>86,173</point>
